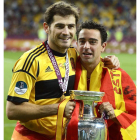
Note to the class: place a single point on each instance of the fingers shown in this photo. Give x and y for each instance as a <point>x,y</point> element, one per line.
<point>104,106</point>
<point>111,114</point>
<point>107,107</point>
<point>115,62</point>
<point>111,62</point>
<point>69,109</point>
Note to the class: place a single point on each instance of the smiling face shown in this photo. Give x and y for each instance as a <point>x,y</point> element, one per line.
<point>61,32</point>
<point>89,46</point>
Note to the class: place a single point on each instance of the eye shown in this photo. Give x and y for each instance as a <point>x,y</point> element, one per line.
<point>60,26</point>
<point>92,42</point>
<point>81,42</point>
<point>70,26</point>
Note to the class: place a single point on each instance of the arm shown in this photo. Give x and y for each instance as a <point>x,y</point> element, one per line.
<point>27,111</point>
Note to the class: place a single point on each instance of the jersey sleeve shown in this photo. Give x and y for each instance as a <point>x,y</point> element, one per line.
<point>23,79</point>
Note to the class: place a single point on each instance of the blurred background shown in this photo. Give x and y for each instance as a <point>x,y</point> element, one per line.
<point>23,21</point>
<point>23,30</point>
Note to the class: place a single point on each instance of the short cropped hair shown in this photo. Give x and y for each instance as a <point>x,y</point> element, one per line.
<point>61,8</point>
<point>93,25</point>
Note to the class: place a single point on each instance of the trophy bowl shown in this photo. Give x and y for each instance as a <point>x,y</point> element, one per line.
<point>86,95</point>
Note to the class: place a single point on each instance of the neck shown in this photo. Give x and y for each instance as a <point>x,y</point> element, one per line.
<point>57,49</point>
<point>89,67</point>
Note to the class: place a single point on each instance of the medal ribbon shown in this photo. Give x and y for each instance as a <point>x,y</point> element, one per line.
<point>63,86</point>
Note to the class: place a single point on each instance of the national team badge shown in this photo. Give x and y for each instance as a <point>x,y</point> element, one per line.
<point>61,65</point>
<point>21,87</point>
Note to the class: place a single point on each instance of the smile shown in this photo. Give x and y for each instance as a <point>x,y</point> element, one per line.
<point>87,53</point>
<point>67,38</point>
<point>64,40</point>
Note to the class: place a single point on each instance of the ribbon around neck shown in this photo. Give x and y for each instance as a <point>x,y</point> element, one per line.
<point>63,85</point>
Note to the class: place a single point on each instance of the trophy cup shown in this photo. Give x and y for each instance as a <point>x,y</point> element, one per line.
<point>89,126</point>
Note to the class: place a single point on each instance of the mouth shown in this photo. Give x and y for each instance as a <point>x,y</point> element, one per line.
<point>87,54</point>
<point>65,39</point>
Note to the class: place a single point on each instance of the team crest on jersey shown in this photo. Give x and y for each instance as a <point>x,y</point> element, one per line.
<point>21,87</point>
<point>62,65</point>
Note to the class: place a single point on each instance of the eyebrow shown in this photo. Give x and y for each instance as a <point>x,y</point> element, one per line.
<point>88,39</point>
<point>64,24</point>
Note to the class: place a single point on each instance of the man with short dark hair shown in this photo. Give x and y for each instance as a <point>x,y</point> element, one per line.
<point>119,101</point>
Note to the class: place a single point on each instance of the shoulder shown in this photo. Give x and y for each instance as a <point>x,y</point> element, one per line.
<point>120,71</point>
<point>126,78</point>
<point>35,52</point>
<point>27,60</point>
<point>124,73</point>
<point>72,48</point>
<point>72,52</point>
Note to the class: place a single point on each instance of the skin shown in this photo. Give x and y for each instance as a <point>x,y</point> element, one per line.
<point>61,32</point>
<point>111,61</point>
<point>27,111</point>
<point>89,47</point>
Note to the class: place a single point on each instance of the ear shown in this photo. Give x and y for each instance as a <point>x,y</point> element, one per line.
<point>103,46</point>
<point>46,27</point>
<point>77,48</point>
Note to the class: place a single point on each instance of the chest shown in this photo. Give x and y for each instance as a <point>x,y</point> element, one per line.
<point>47,71</point>
<point>47,85</point>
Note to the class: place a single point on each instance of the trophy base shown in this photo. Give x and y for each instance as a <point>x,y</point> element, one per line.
<point>92,129</point>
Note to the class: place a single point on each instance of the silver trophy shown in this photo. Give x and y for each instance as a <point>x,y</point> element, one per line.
<point>89,126</point>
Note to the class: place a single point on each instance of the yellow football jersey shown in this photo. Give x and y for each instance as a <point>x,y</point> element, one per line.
<point>34,80</point>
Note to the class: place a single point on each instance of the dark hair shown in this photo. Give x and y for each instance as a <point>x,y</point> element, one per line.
<point>61,8</point>
<point>93,25</point>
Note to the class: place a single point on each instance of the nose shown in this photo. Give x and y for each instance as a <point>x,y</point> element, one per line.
<point>65,30</point>
<point>87,45</point>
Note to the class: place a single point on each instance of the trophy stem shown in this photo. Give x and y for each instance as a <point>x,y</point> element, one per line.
<point>88,112</point>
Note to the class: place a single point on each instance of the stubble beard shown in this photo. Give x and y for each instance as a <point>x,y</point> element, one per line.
<point>58,45</point>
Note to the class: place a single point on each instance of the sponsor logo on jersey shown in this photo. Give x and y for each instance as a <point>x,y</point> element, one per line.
<point>48,69</point>
<point>21,87</point>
